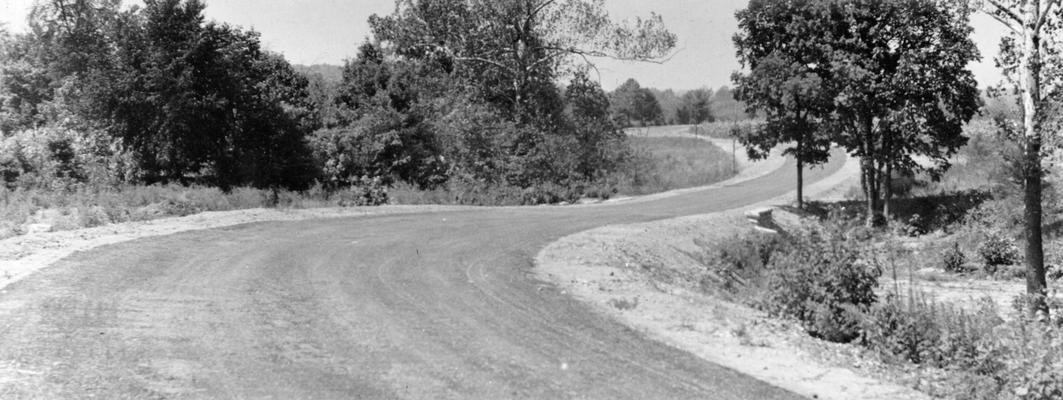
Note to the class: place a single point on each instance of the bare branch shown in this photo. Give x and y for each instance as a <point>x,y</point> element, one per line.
<point>1001,9</point>
<point>1045,14</point>
<point>543,6</point>
<point>1005,23</point>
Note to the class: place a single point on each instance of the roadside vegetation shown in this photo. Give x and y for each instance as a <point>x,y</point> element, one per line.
<point>104,119</point>
<point>941,198</point>
<point>880,289</point>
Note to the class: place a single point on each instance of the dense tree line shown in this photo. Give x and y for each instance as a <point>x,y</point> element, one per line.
<point>445,92</point>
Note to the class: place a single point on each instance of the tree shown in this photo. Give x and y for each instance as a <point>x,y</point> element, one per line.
<point>201,102</point>
<point>726,108</point>
<point>598,139</point>
<point>514,48</point>
<point>896,72</point>
<point>1030,60</point>
<point>43,71</point>
<point>632,103</point>
<point>695,107</point>
<point>382,130</point>
<point>793,100</point>
<point>669,102</point>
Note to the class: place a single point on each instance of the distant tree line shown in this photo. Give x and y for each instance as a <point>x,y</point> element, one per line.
<point>444,92</point>
<point>633,105</point>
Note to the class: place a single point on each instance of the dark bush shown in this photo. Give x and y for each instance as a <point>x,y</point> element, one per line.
<point>823,281</point>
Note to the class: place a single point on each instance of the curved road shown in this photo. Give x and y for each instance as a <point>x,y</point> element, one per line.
<point>420,306</point>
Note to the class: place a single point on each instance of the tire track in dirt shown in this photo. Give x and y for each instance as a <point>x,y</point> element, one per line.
<point>367,307</point>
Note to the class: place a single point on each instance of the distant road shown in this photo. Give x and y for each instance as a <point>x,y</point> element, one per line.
<point>418,306</point>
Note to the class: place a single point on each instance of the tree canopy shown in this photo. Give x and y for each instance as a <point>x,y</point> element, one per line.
<point>895,73</point>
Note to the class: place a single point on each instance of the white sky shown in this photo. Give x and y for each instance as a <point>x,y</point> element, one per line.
<point>328,31</point>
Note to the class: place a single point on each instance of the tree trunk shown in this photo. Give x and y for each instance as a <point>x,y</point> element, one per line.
<point>887,182</point>
<point>800,177</point>
<point>1030,66</point>
<point>870,173</point>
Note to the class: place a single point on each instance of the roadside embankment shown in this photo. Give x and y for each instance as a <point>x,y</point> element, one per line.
<point>647,275</point>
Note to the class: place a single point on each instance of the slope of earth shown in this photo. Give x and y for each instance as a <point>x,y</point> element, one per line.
<point>647,275</point>
<point>412,305</point>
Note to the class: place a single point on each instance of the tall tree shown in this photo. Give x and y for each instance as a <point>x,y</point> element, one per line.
<point>43,71</point>
<point>1029,56</point>
<point>598,139</point>
<point>514,48</point>
<point>199,101</point>
<point>695,107</point>
<point>896,72</point>
<point>633,103</point>
<point>793,100</point>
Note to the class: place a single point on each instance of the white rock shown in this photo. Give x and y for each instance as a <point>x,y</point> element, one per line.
<point>38,228</point>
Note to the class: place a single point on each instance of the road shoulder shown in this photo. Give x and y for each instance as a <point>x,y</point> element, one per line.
<point>620,271</point>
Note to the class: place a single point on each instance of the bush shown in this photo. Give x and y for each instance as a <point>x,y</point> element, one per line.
<point>953,259</point>
<point>364,192</point>
<point>823,281</point>
<point>1020,360</point>
<point>921,331</point>
<point>998,249</point>
<point>739,260</point>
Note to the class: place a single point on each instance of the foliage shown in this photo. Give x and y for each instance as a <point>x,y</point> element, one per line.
<point>462,90</point>
<point>998,249</point>
<point>920,331</point>
<point>695,107</point>
<point>741,260</point>
<point>888,80</point>
<point>634,105</point>
<point>824,282</point>
<point>509,51</point>
<point>983,356</point>
<point>1030,62</point>
<point>816,275</point>
<point>953,259</point>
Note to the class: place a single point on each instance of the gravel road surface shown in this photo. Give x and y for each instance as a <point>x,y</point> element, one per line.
<point>420,306</point>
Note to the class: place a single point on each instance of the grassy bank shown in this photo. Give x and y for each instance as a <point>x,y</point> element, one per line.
<point>668,163</point>
<point>83,206</point>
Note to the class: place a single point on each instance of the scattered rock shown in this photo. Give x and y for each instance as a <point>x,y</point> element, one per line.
<point>37,228</point>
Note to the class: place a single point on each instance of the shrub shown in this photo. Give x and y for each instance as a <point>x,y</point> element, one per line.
<point>953,259</point>
<point>365,192</point>
<point>742,258</point>
<point>1020,360</point>
<point>919,330</point>
<point>998,249</point>
<point>823,281</point>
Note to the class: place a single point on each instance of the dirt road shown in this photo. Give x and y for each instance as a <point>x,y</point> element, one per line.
<point>432,305</point>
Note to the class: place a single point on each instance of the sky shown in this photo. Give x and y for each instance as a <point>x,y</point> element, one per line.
<point>328,31</point>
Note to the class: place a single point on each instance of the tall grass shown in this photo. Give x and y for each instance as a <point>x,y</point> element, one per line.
<point>81,206</point>
<point>667,163</point>
<point>657,164</point>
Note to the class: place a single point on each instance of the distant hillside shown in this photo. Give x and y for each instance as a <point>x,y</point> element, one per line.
<point>330,73</point>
